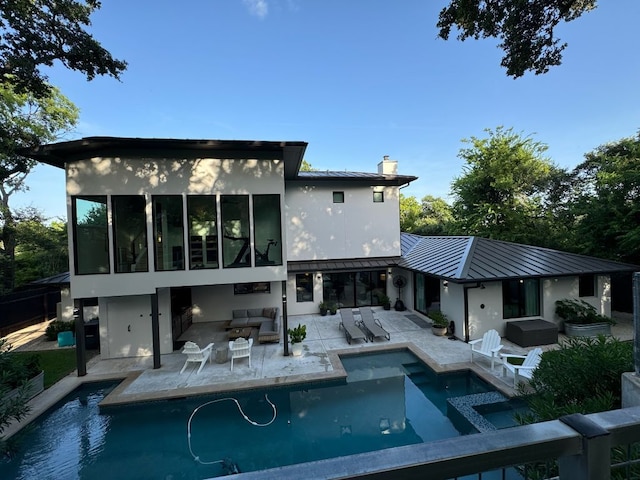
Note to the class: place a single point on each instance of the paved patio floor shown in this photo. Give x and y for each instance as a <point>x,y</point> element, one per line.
<point>319,361</point>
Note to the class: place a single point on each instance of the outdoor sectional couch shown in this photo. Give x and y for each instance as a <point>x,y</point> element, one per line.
<point>267,320</point>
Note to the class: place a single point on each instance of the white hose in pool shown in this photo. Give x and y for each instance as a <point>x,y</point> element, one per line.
<point>256,424</point>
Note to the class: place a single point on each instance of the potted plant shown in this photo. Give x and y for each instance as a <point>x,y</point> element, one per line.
<point>324,308</point>
<point>384,301</point>
<point>581,319</point>
<point>333,308</point>
<point>439,323</point>
<point>297,335</point>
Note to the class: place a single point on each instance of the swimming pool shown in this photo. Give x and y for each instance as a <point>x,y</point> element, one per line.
<point>389,400</point>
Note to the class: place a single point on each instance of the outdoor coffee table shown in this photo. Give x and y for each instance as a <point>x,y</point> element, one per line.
<point>235,333</point>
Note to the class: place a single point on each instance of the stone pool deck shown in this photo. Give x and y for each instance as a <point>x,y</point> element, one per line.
<point>320,361</point>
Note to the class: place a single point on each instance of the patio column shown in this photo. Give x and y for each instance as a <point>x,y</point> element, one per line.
<point>285,321</point>
<point>81,351</point>
<point>155,330</point>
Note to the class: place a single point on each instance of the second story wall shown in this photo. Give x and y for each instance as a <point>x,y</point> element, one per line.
<point>173,222</point>
<point>341,220</point>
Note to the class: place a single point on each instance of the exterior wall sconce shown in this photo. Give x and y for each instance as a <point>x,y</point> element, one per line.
<point>445,284</point>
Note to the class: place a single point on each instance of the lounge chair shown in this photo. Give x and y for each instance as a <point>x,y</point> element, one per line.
<point>195,354</point>
<point>351,330</point>
<point>529,364</point>
<point>487,346</point>
<point>372,326</point>
<point>240,348</point>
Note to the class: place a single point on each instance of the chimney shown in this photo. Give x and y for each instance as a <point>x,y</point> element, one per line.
<point>388,167</point>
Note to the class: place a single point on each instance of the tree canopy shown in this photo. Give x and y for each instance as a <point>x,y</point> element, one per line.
<point>36,33</point>
<point>525,29</point>
<point>502,190</point>
<point>431,216</point>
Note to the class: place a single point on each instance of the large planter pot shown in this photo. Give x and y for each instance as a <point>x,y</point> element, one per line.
<point>587,330</point>
<point>296,349</point>
<point>34,387</point>
<point>439,331</point>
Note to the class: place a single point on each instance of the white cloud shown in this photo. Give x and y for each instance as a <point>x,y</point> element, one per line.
<point>259,8</point>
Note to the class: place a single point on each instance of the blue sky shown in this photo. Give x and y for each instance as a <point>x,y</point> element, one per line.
<point>356,79</point>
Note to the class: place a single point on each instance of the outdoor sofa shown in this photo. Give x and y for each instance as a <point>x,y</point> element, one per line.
<point>266,319</point>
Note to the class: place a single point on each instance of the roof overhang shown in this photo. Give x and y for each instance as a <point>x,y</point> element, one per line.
<point>342,265</point>
<point>57,154</point>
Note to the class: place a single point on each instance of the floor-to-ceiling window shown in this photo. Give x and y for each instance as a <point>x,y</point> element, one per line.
<point>354,289</point>
<point>236,248</point>
<point>203,231</point>
<point>90,235</point>
<point>267,231</point>
<point>168,232</point>
<point>130,233</point>
<point>426,292</point>
<point>521,298</point>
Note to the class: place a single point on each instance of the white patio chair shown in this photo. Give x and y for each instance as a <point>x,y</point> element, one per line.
<point>195,354</point>
<point>240,348</point>
<point>487,346</point>
<point>529,364</point>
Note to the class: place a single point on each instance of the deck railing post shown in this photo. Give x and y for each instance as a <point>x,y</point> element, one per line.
<point>594,463</point>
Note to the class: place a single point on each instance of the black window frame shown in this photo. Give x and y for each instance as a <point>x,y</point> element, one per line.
<point>587,285</point>
<point>338,197</point>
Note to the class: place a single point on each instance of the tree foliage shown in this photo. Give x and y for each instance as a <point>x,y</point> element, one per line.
<point>431,216</point>
<point>36,33</point>
<point>605,201</point>
<point>525,29</point>
<point>25,121</point>
<point>502,192</point>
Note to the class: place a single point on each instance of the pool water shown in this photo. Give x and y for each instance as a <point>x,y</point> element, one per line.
<point>389,400</point>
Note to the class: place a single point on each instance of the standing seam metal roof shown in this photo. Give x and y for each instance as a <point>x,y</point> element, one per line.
<point>472,259</point>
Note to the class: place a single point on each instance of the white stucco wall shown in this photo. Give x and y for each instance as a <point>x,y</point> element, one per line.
<point>216,302</point>
<point>452,305</point>
<point>319,229</point>
<point>125,326</point>
<point>121,176</point>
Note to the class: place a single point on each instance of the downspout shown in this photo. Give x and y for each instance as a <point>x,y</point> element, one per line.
<point>466,309</point>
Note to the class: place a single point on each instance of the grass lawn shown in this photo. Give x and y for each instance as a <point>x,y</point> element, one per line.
<point>56,364</point>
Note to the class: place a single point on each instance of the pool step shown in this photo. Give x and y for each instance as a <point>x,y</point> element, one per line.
<point>416,373</point>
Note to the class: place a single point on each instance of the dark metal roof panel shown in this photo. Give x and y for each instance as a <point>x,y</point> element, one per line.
<point>341,265</point>
<point>359,177</point>
<point>473,259</point>
<point>58,279</point>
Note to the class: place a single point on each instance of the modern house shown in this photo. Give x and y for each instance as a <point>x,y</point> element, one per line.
<point>165,232</point>
<point>158,227</point>
<point>481,284</point>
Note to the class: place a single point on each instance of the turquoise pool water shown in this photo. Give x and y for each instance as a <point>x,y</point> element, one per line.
<point>389,400</point>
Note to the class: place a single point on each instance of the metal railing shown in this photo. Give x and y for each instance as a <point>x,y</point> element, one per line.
<point>581,445</point>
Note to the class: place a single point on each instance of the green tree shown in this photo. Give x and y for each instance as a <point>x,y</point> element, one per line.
<point>525,29</point>
<point>431,216</point>
<point>605,202</point>
<point>503,191</point>
<point>41,248</point>
<point>36,33</point>
<point>306,166</point>
<point>25,121</point>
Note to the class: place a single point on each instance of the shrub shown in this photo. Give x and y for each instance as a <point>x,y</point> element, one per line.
<point>579,311</point>
<point>582,376</point>
<point>57,326</point>
<point>297,334</point>
<point>439,319</point>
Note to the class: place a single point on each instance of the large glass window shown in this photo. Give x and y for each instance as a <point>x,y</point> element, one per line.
<point>91,240</point>
<point>90,236</point>
<point>426,292</point>
<point>521,298</point>
<point>236,251</point>
<point>130,233</point>
<point>354,289</point>
<point>168,232</point>
<point>267,230</point>
<point>304,287</point>
<point>203,232</point>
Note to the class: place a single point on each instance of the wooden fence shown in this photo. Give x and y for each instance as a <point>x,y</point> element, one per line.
<point>21,309</point>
